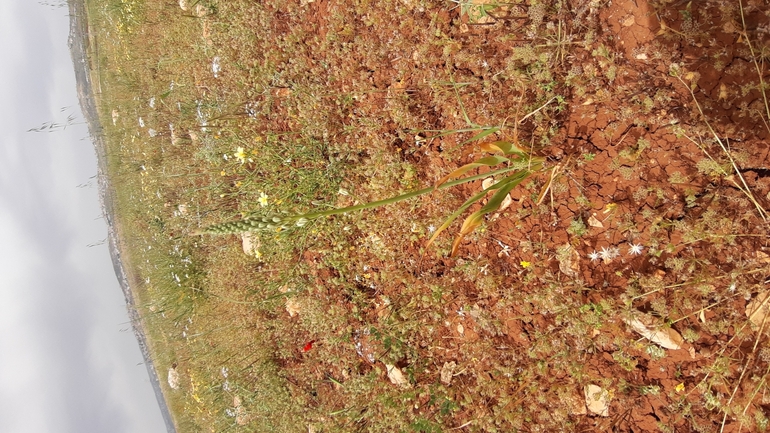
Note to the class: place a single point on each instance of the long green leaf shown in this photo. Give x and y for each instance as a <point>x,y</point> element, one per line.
<point>481,135</point>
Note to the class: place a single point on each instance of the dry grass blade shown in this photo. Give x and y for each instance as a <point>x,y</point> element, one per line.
<point>743,186</point>
<point>756,66</point>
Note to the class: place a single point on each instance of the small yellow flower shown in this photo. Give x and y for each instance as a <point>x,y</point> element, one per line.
<point>525,264</point>
<point>238,184</point>
<point>258,254</point>
<point>680,387</point>
<point>240,155</point>
<point>223,173</point>
<point>262,199</point>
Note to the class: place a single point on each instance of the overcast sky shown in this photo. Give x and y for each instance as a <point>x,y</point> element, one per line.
<point>68,359</point>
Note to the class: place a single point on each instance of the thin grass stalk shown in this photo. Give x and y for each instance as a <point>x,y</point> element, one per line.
<point>745,187</point>
<point>756,65</point>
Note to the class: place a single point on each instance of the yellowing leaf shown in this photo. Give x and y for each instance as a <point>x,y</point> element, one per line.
<point>505,147</point>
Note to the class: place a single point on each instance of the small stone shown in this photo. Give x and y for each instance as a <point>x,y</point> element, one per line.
<point>597,400</point>
<point>594,222</point>
<point>486,183</point>
<point>507,201</point>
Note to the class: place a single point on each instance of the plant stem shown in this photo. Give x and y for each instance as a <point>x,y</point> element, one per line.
<point>407,196</point>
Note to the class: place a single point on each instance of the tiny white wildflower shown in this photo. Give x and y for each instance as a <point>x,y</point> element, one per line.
<point>431,228</point>
<point>594,256</point>
<point>605,253</point>
<point>262,199</point>
<point>608,254</point>
<point>635,249</point>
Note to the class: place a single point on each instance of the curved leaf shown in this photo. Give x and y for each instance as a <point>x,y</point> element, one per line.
<point>474,220</point>
<point>489,161</point>
<point>469,225</point>
<point>503,146</point>
<point>456,214</point>
<point>482,134</point>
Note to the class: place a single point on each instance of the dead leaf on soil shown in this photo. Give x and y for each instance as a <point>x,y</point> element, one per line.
<point>757,311</point>
<point>447,372</point>
<point>647,327</point>
<point>396,376</point>
<point>173,378</point>
<point>569,260</point>
<point>597,400</point>
<point>241,418</point>
<point>250,243</point>
<point>292,306</point>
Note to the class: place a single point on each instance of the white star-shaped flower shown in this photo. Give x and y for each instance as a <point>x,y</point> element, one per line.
<point>594,256</point>
<point>635,249</point>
